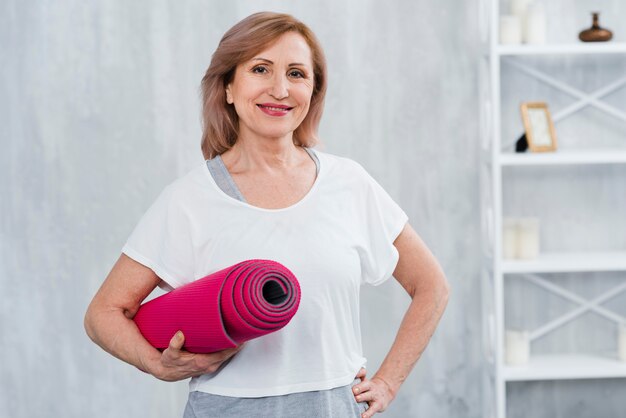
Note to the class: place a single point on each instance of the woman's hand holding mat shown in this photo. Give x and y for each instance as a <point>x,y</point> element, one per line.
<point>220,311</point>
<point>177,364</point>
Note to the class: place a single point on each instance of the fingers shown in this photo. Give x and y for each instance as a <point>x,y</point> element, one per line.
<point>177,341</point>
<point>227,352</point>
<point>362,392</point>
<point>376,393</point>
<point>172,353</point>
<point>361,374</point>
<point>178,363</point>
<point>374,407</point>
<point>210,362</point>
<point>361,388</point>
<point>224,355</point>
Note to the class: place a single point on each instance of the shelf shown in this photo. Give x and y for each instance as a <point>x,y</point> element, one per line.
<point>564,157</point>
<point>564,367</point>
<point>563,49</point>
<point>569,262</point>
<point>499,161</point>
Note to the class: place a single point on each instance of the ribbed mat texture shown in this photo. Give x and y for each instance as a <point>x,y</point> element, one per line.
<point>224,309</point>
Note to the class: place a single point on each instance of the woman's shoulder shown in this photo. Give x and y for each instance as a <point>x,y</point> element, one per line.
<point>349,173</point>
<point>190,181</point>
<point>185,188</point>
<point>341,164</point>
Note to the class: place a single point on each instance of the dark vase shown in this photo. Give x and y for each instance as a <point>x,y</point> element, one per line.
<point>595,33</point>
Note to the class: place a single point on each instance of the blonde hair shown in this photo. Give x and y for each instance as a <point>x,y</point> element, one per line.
<point>239,44</point>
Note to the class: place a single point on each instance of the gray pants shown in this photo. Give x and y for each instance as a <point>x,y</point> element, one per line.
<point>333,403</point>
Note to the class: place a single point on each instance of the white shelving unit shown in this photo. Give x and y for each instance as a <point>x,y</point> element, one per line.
<point>564,158</point>
<point>495,161</point>
<point>571,262</point>
<point>561,49</point>
<point>566,367</point>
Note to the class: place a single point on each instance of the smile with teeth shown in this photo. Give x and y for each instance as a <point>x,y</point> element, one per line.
<point>275,109</point>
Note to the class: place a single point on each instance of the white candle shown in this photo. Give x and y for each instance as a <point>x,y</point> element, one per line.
<point>535,27</point>
<point>621,342</point>
<point>509,238</point>
<point>518,7</point>
<point>528,238</point>
<point>517,347</point>
<point>510,30</point>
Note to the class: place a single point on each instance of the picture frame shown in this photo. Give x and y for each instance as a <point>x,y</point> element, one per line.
<point>540,133</point>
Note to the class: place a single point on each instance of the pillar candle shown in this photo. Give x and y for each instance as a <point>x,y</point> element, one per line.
<point>535,25</point>
<point>528,238</point>
<point>517,347</point>
<point>519,9</point>
<point>509,238</point>
<point>510,30</point>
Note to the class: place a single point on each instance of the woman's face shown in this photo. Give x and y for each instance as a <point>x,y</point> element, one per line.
<point>272,91</point>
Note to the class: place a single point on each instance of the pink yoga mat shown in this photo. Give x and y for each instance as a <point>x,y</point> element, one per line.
<point>223,309</point>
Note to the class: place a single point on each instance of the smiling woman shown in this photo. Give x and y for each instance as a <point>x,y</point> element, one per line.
<point>272,91</point>
<point>265,193</point>
<point>242,51</point>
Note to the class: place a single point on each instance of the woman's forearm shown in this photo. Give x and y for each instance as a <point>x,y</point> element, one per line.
<point>109,324</point>
<point>416,329</point>
<point>118,335</point>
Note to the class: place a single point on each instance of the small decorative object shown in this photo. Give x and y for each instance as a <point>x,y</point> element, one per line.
<point>540,135</point>
<point>509,238</point>
<point>527,238</point>
<point>595,33</point>
<point>621,342</point>
<point>522,144</point>
<point>535,29</point>
<point>510,30</point>
<point>520,238</point>
<point>517,347</point>
<point>519,9</point>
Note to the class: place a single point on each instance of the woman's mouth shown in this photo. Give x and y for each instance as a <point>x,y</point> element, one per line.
<point>274,109</point>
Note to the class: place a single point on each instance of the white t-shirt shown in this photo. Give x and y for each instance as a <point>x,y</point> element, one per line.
<point>336,238</point>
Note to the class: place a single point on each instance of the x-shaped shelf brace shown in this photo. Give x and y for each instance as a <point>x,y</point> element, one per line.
<point>585,305</point>
<point>584,99</point>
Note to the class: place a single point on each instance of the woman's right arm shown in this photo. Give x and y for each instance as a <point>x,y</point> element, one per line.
<point>109,323</point>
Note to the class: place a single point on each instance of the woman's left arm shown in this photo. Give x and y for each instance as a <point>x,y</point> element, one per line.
<point>421,276</point>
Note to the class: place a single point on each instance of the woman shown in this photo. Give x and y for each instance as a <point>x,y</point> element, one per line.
<point>263,192</point>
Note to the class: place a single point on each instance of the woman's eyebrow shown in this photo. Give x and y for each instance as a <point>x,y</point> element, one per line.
<point>271,62</point>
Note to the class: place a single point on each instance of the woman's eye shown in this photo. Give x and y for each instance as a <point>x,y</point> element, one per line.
<point>296,74</point>
<point>259,70</point>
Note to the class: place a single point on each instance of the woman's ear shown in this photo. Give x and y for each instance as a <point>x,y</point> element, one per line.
<point>229,95</point>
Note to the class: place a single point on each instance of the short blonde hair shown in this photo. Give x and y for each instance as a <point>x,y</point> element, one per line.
<point>239,44</point>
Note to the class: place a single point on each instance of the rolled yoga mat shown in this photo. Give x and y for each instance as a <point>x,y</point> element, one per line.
<point>224,309</point>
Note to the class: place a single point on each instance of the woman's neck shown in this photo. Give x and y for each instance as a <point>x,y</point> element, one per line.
<point>262,155</point>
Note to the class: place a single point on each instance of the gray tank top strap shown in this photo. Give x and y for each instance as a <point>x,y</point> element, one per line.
<point>225,181</point>
<point>316,160</point>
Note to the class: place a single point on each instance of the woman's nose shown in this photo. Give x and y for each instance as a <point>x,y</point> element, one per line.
<point>279,88</point>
